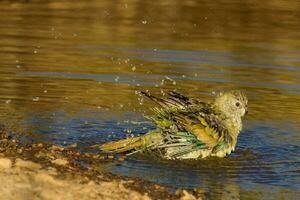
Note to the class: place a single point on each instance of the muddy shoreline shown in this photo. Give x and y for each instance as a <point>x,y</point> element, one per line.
<point>53,168</point>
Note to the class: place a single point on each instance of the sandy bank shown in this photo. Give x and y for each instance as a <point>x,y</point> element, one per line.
<point>26,180</point>
<point>48,172</point>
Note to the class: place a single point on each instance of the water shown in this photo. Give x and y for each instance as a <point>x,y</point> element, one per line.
<point>69,72</point>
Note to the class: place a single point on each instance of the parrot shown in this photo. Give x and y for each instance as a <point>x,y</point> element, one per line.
<point>187,128</point>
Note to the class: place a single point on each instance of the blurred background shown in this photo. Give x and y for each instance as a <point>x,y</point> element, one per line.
<point>70,72</point>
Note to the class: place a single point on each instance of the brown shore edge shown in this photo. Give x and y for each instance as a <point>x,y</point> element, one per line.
<point>48,172</point>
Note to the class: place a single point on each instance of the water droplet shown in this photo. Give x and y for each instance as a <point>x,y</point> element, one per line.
<point>36,99</point>
<point>117,78</point>
<point>168,78</point>
<point>128,130</point>
<point>127,60</point>
<point>133,68</point>
<point>141,101</point>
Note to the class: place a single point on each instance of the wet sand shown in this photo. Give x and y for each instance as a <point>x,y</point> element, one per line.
<point>28,181</point>
<point>44,171</point>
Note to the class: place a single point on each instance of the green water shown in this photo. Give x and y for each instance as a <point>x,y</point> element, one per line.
<point>70,70</point>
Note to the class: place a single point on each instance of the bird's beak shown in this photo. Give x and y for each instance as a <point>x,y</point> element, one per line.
<point>246,112</point>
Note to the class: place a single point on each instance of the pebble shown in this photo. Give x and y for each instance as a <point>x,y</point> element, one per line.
<point>27,164</point>
<point>40,145</point>
<point>5,163</point>
<point>72,145</point>
<point>56,148</point>
<point>60,161</point>
<point>185,195</point>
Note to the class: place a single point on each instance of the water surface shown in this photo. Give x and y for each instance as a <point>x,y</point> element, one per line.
<point>70,72</point>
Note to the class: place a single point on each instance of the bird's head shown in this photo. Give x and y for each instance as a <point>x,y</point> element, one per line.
<point>232,103</point>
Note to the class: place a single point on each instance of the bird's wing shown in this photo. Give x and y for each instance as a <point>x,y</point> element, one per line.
<point>206,127</point>
<point>196,131</point>
<point>173,103</point>
<point>174,100</point>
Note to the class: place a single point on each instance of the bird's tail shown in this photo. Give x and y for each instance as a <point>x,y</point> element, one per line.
<point>132,144</point>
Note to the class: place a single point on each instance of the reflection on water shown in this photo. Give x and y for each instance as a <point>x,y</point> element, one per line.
<point>69,72</point>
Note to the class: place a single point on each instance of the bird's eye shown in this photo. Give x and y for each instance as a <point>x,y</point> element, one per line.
<point>237,104</point>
